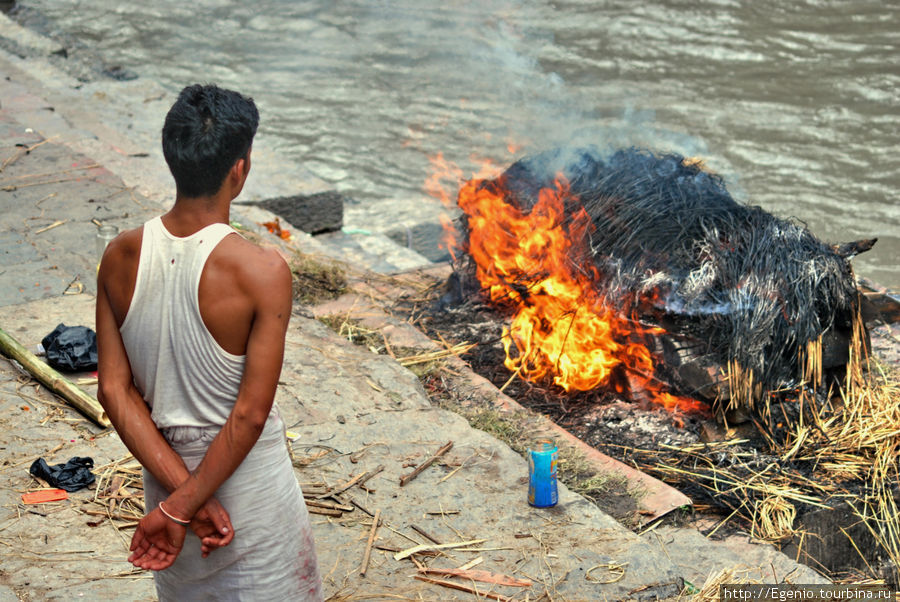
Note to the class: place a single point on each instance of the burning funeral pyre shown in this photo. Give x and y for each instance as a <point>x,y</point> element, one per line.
<point>637,276</point>
<point>610,264</point>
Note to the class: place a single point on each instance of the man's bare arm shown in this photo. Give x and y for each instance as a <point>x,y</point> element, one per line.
<point>268,283</point>
<point>123,403</point>
<point>130,414</point>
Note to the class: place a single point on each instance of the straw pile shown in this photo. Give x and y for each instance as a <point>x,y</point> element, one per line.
<point>119,493</point>
<point>821,449</point>
<point>730,576</point>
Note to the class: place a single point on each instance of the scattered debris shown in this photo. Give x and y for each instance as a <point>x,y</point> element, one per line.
<point>71,348</point>
<point>276,229</point>
<point>317,279</point>
<point>118,495</point>
<point>357,480</point>
<point>615,572</point>
<point>464,588</point>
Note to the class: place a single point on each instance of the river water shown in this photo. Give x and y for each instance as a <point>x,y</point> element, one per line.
<point>796,104</point>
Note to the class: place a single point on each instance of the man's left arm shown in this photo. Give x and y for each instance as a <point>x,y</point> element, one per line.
<point>269,285</point>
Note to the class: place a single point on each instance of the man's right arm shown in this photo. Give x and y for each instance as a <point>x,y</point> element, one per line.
<point>130,414</point>
<point>123,403</point>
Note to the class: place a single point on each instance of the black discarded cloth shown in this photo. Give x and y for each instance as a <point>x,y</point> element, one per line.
<point>71,348</point>
<point>71,476</point>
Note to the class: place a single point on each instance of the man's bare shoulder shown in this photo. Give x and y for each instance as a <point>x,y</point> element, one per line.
<point>118,271</point>
<point>122,252</point>
<point>255,267</point>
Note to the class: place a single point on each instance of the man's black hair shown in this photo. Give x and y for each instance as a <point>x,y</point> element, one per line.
<point>205,132</point>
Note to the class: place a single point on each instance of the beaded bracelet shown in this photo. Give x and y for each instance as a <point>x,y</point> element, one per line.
<point>183,523</point>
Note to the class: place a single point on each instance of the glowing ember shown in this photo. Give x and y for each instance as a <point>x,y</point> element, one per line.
<point>562,329</point>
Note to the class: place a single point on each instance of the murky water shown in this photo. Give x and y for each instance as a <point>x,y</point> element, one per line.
<point>797,104</point>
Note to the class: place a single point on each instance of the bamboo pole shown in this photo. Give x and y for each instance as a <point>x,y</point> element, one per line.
<point>53,380</point>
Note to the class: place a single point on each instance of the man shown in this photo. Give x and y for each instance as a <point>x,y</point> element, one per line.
<point>191,321</point>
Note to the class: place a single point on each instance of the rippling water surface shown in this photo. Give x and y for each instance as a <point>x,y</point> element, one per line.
<point>797,104</point>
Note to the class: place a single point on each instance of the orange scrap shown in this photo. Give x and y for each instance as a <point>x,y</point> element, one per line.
<point>44,495</point>
<point>276,229</point>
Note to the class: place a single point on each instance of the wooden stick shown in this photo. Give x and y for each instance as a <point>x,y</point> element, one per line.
<point>361,507</point>
<point>423,533</point>
<point>114,485</point>
<point>343,487</point>
<point>357,480</point>
<point>425,546</point>
<point>53,380</point>
<point>12,187</point>
<point>471,563</point>
<point>483,576</point>
<point>387,346</point>
<point>55,173</point>
<point>58,222</point>
<point>386,548</point>
<point>114,515</point>
<point>407,478</point>
<point>324,511</point>
<point>365,564</point>
<point>416,562</point>
<point>511,378</point>
<point>464,588</point>
<point>24,151</point>
<point>369,475</point>
<point>431,356</point>
<point>329,505</point>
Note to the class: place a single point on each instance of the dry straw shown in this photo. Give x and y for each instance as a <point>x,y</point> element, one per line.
<point>832,446</point>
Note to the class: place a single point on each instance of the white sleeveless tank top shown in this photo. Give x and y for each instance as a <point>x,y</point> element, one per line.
<point>186,377</point>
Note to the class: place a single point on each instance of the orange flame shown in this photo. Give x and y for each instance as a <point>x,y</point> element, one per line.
<point>562,328</point>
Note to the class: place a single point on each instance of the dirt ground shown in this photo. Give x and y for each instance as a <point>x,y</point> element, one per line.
<point>346,404</point>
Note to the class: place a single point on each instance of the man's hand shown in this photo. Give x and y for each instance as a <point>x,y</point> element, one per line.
<point>156,542</point>
<point>213,526</point>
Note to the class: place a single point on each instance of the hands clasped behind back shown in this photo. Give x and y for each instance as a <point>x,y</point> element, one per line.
<point>158,538</point>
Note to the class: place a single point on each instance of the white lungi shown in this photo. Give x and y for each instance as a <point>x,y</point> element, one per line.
<point>272,556</point>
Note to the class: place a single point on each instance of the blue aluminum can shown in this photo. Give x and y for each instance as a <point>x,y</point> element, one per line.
<point>542,459</point>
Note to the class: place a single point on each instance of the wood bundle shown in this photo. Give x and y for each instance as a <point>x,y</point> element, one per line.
<point>119,492</point>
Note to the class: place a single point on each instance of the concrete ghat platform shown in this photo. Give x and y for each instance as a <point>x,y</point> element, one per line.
<point>353,410</point>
